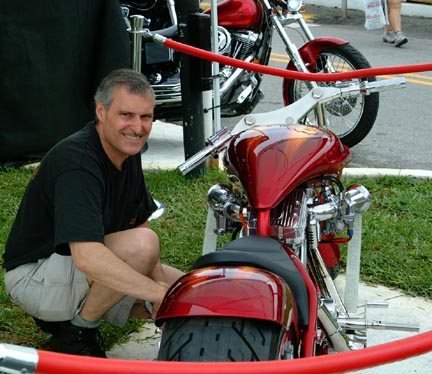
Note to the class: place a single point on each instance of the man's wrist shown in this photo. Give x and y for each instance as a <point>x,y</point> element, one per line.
<point>163,284</point>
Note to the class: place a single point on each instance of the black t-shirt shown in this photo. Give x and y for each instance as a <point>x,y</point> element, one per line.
<point>76,195</point>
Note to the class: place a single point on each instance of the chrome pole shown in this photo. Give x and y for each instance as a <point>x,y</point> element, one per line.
<point>137,25</point>
<point>16,359</point>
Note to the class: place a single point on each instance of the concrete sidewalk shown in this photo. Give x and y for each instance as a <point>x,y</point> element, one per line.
<point>166,152</point>
<point>408,9</point>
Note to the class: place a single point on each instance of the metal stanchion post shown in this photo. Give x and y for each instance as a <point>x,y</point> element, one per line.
<point>215,66</point>
<point>192,32</point>
<point>137,25</point>
<point>353,267</point>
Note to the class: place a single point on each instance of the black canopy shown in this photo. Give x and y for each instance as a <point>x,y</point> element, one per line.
<point>53,54</point>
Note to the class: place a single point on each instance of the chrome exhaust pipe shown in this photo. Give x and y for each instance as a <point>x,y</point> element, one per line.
<point>338,338</point>
<point>233,78</point>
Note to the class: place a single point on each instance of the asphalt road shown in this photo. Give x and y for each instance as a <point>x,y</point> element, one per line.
<point>401,136</point>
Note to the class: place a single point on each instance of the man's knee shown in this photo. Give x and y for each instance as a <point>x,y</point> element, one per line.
<point>148,243</point>
<point>137,246</point>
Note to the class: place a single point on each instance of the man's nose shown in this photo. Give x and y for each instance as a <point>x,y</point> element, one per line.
<point>136,124</point>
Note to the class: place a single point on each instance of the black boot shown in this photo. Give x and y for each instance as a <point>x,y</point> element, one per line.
<point>74,340</point>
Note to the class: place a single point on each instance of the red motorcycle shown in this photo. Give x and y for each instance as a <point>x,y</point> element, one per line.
<point>245,32</point>
<point>269,293</point>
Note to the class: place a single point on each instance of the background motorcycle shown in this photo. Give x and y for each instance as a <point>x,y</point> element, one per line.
<point>245,31</point>
<point>268,294</point>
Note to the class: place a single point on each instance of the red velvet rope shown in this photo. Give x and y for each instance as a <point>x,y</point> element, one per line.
<point>50,362</point>
<point>317,77</point>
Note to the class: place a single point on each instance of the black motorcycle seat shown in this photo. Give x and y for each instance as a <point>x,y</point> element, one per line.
<point>264,253</point>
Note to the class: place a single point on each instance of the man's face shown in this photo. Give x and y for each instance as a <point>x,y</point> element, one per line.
<point>125,127</point>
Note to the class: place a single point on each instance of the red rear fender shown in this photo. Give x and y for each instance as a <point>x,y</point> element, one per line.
<point>229,291</point>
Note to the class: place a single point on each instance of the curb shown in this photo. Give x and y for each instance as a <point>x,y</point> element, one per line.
<point>381,172</point>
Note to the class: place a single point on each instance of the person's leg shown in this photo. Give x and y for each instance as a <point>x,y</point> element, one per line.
<point>139,248</point>
<point>394,14</point>
<point>52,290</point>
<point>388,35</point>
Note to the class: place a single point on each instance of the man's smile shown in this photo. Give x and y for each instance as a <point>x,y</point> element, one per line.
<point>133,137</point>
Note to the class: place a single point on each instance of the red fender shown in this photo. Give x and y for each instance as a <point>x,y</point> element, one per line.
<point>243,291</point>
<point>309,53</point>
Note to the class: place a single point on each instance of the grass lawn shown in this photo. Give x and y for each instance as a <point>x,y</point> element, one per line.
<point>396,252</point>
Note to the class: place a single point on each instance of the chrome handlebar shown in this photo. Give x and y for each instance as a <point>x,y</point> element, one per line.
<point>216,142</point>
<point>290,114</point>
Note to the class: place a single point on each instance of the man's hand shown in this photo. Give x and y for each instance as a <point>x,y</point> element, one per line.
<point>156,306</point>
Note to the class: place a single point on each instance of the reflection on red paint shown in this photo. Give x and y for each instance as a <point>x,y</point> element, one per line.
<point>229,291</point>
<point>274,159</point>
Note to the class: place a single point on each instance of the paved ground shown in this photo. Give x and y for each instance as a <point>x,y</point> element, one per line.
<point>416,18</point>
<point>420,27</point>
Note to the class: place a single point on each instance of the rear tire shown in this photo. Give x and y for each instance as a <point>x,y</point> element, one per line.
<point>220,339</point>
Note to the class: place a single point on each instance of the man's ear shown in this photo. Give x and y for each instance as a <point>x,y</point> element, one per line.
<point>100,111</point>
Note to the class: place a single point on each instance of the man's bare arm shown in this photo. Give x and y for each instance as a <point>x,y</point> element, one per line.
<point>101,265</point>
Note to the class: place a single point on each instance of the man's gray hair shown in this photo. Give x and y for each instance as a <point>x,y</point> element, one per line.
<point>135,82</point>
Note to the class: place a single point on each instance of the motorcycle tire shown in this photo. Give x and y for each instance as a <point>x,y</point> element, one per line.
<point>351,118</point>
<point>220,339</point>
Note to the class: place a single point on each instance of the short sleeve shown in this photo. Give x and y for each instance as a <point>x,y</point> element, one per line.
<point>78,204</point>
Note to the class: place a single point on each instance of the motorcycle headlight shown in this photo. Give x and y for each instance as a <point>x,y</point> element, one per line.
<point>357,198</point>
<point>294,5</point>
<point>217,197</point>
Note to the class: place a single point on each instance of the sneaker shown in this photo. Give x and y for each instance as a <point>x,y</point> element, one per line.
<point>400,39</point>
<point>389,37</point>
<point>74,340</point>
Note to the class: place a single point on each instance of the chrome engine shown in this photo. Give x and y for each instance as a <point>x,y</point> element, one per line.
<point>238,45</point>
<point>289,220</point>
<point>324,207</point>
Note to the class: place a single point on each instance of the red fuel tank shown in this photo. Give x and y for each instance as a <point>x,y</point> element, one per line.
<point>271,160</point>
<point>239,14</point>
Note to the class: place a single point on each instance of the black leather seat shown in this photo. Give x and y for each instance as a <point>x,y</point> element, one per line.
<point>264,253</point>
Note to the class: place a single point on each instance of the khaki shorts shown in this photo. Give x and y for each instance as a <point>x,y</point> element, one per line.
<point>53,289</point>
